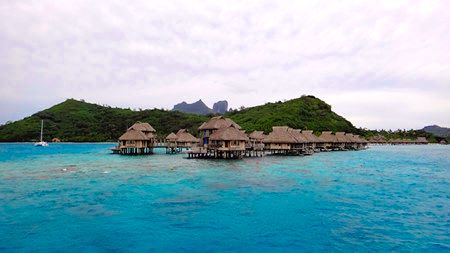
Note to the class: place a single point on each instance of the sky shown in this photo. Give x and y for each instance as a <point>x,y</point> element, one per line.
<point>380,64</point>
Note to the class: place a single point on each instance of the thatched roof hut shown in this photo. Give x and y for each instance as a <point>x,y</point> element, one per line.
<point>257,135</point>
<point>184,136</point>
<point>138,139</point>
<point>217,123</point>
<point>171,137</point>
<point>341,138</point>
<point>280,134</point>
<point>228,134</point>
<point>144,127</point>
<point>328,137</point>
<point>422,140</point>
<point>310,136</point>
<point>358,139</point>
<point>377,139</point>
<point>56,140</point>
<point>297,133</point>
<point>351,138</point>
<point>395,141</point>
<point>133,135</point>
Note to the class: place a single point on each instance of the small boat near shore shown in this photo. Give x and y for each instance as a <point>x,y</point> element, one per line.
<point>41,143</point>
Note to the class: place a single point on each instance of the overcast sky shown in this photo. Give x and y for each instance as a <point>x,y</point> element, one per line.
<point>380,64</point>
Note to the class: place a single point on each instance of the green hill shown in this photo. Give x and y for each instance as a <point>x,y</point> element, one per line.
<point>306,112</point>
<point>79,121</point>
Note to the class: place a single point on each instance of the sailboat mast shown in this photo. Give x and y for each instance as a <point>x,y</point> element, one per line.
<point>42,128</point>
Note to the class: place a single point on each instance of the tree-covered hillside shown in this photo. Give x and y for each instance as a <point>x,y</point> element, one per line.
<point>79,121</point>
<point>306,112</point>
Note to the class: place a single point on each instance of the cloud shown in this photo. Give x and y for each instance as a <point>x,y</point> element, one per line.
<point>155,54</point>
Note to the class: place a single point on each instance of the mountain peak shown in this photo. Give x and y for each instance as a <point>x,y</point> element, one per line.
<point>200,107</point>
<point>437,130</point>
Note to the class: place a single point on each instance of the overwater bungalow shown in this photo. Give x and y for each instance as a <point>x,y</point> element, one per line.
<point>301,145</point>
<point>214,124</point>
<point>342,142</point>
<point>352,142</point>
<point>421,140</point>
<point>171,139</point>
<point>314,143</point>
<point>329,141</point>
<point>174,143</point>
<point>282,140</point>
<point>256,137</point>
<point>227,142</point>
<point>378,139</point>
<point>186,140</point>
<point>395,141</point>
<point>138,139</point>
<point>134,142</point>
<point>255,145</point>
<point>361,143</point>
<point>171,143</point>
<point>401,142</point>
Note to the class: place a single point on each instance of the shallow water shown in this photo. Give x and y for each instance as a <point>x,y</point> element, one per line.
<point>78,198</point>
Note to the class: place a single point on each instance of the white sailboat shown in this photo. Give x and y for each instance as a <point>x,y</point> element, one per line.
<point>41,143</point>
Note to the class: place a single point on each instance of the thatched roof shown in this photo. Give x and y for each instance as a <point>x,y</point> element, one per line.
<point>228,134</point>
<point>400,141</point>
<point>351,138</point>
<point>395,141</point>
<point>340,137</point>
<point>422,140</point>
<point>297,133</point>
<point>218,123</point>
<point>171,137</point>
<point>358,139</point>
<point>310,136</point>
<point>144,127</point>
<point>184,136</point>
<point>133,135</point>
<point>280,134</point>
<point>257,135</point>
<point>328,136</point>
<point>378,139</point>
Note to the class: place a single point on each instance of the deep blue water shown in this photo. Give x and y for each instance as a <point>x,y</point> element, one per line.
<point>79,198</point>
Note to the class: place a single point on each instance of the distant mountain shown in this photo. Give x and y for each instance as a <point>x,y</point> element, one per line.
<point>220,107</point>
<point>437,130</point>
<point>198,108</point>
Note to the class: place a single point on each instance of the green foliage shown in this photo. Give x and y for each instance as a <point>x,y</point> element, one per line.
<point>306,112</point>
<point>401,134</point>
<point>79,121</point>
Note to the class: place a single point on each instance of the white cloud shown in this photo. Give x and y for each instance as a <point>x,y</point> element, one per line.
<point>154,54</point>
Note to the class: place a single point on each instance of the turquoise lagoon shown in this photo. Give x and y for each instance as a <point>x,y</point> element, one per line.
<point>79,198</point>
